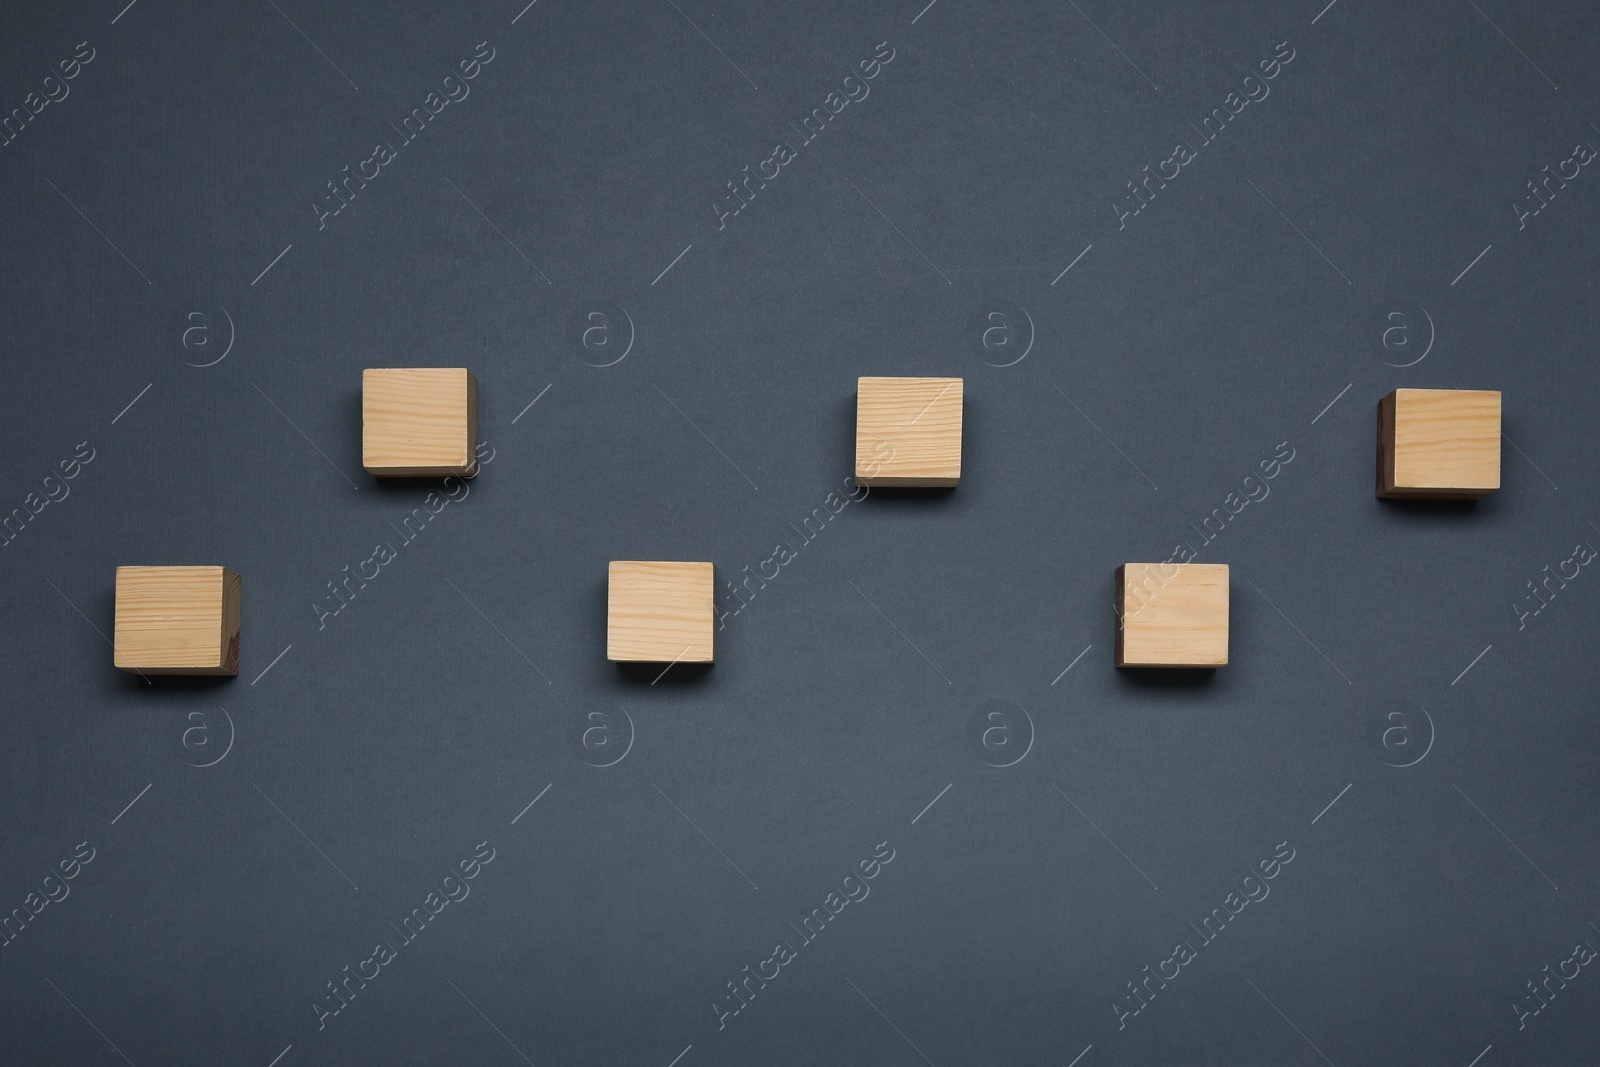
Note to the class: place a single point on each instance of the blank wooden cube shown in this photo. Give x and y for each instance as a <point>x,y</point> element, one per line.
<point>1172,615</point>
<point>908,431</point>
<point>419,422</point>
<point>660,612</point>
<point>1441,444</point>
<point>177,620</point>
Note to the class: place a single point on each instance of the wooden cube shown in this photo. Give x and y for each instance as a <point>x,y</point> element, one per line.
<point>908,431</point>
<point>1172,615</point>
<point>419,422</point>
<point>177,620</point>
<point>660,612</point>
<point>1440,444</point>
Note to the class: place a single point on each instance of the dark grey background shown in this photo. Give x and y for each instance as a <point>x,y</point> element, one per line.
<point>377,751</point>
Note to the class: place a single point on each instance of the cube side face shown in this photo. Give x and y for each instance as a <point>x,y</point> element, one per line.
<point>177,620</point>
<point>1386,446</point>
<point>419,422</point>
<point>1172,615</point>
<point>908,431</point>
<point>660,612</point>
<point>232,596</point>
<point>1440,443</point>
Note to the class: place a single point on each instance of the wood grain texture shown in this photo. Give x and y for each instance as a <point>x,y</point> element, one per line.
<point>1172,615</point>
<point>660,612</point>
<point>177,620</point>
<point>1442,444</point>
<point>908,431</point>
<point>419,422</point>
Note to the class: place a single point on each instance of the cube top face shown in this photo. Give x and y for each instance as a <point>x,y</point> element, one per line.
<point>419,422</point>
<point>1172,615</point>
<point>177,620</point>
<point>1439,443</point>
<point>660,612</point>
<point>908,431</point>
